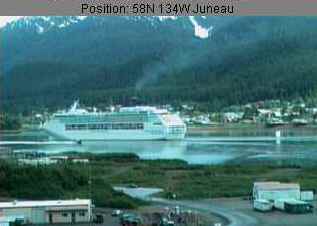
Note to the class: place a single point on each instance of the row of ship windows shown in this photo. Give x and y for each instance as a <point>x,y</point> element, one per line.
<point>176,129</point>
<point>117,118</point>
<point>105,126</point>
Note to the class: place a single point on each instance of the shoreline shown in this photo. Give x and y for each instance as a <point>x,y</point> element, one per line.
<point>213,128</point>
<point>251,129</point>
<point>11,131</point>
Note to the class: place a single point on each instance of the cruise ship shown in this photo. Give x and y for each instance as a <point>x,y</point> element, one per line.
<point>127,123</point>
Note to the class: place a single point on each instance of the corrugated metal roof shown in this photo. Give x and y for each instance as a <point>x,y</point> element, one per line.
<point>275,186</point>
<point>47,203</point>
<point>265,182</point>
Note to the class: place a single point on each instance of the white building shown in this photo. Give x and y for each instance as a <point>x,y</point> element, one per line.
<point>41,212</point>
<point>272,191</point>
<point>233,116</point>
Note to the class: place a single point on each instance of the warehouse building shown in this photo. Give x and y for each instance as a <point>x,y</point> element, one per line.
<point>41,212</point>
<point>272,191</point>
<point>282,196</point>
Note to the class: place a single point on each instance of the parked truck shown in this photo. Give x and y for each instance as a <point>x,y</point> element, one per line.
<point>293,206</point>
<point>262,205</point>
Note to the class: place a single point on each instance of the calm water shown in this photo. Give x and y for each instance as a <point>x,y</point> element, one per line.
<point>198,149</point>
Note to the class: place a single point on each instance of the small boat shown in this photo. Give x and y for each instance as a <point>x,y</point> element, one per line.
<point>274,122</point>
<point>299,122</point>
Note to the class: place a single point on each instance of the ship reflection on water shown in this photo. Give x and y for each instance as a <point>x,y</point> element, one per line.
<point>194,150</point>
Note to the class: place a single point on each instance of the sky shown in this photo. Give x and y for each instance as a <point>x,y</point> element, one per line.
<point>6,19</point>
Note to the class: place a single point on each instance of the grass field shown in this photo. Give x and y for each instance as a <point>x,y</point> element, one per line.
<point>78,180</point>
<point>196,181</point>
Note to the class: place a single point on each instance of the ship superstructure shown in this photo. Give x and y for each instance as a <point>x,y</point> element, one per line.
<point>128,123</point>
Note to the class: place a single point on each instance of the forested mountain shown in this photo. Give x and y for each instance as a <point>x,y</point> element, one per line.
<point>218,61</point>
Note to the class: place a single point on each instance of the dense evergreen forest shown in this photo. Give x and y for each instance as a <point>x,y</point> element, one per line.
<point>246,59</point>
<point>8,122</point>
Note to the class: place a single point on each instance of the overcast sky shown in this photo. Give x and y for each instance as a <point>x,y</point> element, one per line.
<point>6,19</point>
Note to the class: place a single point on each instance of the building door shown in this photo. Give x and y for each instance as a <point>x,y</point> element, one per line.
<point>50,218</point>
<point>73,217</point>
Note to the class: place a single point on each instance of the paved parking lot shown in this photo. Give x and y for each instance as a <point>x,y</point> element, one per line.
<point>274,218</point>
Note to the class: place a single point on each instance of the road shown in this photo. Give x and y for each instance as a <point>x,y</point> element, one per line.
<point>229,211</point>
<point>228,216</point>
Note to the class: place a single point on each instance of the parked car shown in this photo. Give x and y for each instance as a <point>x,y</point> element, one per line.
<point>98,219</point>
<point>129,219</point>
<point>133,186</point>
<point>116,213</point>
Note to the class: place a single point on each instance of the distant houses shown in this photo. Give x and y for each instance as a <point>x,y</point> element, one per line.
<point>272,112</point>
<point>295,112</point>
<point>232,116</point>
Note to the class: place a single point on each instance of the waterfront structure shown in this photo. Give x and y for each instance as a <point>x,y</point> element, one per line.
<point>6,153</point>
<point>51,160</point>
<point>128,123</point>
<point>43,212</point>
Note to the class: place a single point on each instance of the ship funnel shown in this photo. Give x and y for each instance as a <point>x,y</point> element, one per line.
<point>74,106</point>
<point>278,136</point>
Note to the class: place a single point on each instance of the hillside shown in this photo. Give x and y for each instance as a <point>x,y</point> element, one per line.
<point>107,59</point>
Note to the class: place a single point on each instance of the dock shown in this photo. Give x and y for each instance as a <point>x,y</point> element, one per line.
<point>37,142</point>
<point>254,139</point>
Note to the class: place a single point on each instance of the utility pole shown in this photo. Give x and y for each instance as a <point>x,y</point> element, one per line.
<point>90,192</point>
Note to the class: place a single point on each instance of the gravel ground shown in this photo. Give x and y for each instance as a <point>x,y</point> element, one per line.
<point>150,215</point>
<point>239,212</point>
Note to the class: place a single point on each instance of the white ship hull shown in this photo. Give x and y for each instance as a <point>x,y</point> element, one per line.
<point>122,135</point>
<point>111,135</point>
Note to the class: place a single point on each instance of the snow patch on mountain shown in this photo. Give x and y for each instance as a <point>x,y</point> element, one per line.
<point>81,17</point>
<point>41,24</point>
<point>46,18</point>
<point>200,31</point>
<point>4,20</point>
<point>162,18</point>
<point>39,29</point>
